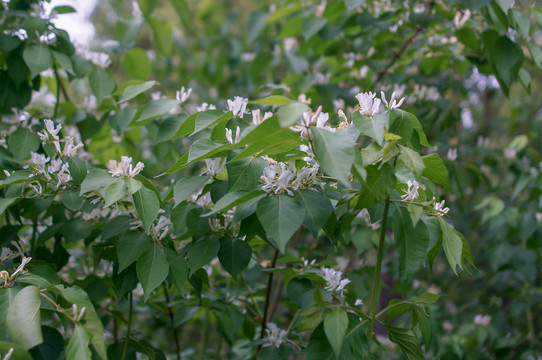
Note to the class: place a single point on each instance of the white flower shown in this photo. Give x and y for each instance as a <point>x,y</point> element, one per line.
<point>70,149</point>
<point>229,135</point>
<point>308,119</point>
<point>215,167</point>
<point>257,118</point>
<point>182,95</point>
<point>393,104</point>
<point>49,130</point>
<point>411,193</point>
<point>334,281</point>
<point>124,167</point>
<point>483,320</point>
<point>358,302</point>
<point>276,178</point>
<point>205,107</point>
<point>19,269</point>
<point>461,18</point>
<point>368,105</point>
<point>274,336</point>
<point>37,164</point>
<point>238,106</point>
<point>439,207</point>
<point>160,230</point>
<point>452,154</point>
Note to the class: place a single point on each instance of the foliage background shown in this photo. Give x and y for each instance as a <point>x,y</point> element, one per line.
<point>474,86</point>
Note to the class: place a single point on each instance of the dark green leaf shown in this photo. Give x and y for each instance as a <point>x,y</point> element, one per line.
<point>38,58</point>
<point>152,269</point>
<point>335,152</point>
<point>436,171</point>
<point>318,208</point>
<point>78,346</point>
<point>234,255</point>
<point>147,206</point>
<point>22,142</point>
<point>132,91</point>
<point>202,252</point>
<point>23,319</point>
<point>130,247</point>
<point>187,186</point>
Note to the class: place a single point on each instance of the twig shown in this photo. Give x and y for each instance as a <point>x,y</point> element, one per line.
<point>127,340</point>
<point>171,318</point>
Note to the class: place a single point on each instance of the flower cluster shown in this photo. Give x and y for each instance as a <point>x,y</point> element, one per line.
<point>238,106</point>
<point>279,177</point>
<point>124,167</point>
<point>440,208</point>
<point>308,119</point>
<point>334,281</point>
<point>160,230</point>
<point>274,336</point>
<point>215,167</point>
<point>49,134</point>
<point>411,193</point>
<point>369,105</point>
<point>182,95</point>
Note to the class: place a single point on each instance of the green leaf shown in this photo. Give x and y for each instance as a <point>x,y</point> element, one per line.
<point>156,108</point>
<point>202,252</point>
<point>24,319</point>
<point>169,127</point>
<point>130,247</point>
<point>132,91</point>
<point>162,36</point>
<point>281,216</point>
<point>245,174</point>
<point>428,298</point>
<point>411,243</point>
<point>78,346</point>
<point>268,138</point>
<point>319,347</point>
<point>234,198</point>
<point>311,25</point>
<point>536,55</point>
<point>5,203</point>
<point>271,100</point>
<point>436,171</point>
<point>183,10</point>
<point>412,160</point>
<point>335,153</point>
<point>408,343</point>
<point>318,208</point>
<point>136,63</point>
<point>291,113</point>
<point>206,119</point>
<point>101,83</point>
<point>234,255</point>
<point>38,58</point>
<point>187,186</point>
<point>22,142</point>
<point>64,61</point>
<point>474,4</point>
<point>19,352</point>
<point>78,169</point>
<point>72,200</point>
<point>335,325</point>
<point>378,186</point>
<point>152,269</point>
<point>17,177</point>
<point>373,127</point>
<point>64,9</point>
<point>178,269</point>
<point>146,6</point>
<point>147,206</point>
<point>452,244</point>
<point>115,192</point>
<point>95,180</point>
<point>117,226</point>
<point>419,317</point>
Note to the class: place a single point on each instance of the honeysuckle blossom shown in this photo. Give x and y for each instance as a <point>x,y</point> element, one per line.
<point>274,336</point>
<point>20,268</point>
<point>368,105</point>
<point>308,119</point>
<point>78,314</point>
<point>160,230</point>
<point>37,165</point>
<point>282,177</point>
<point>215,166</point>
<point>8,354</point>
<point>205,107</point>
<point>124,167</point>
<point>334,281</point>
<point>229,137</point>
<point>482,320</point>
<point>439,207</point>
<point>238,106</point>
<point>461,18</point>
<point>411,193</point>
<point>49,130</point>
<point>393,104</point>
<point>257,118</point>
<point>452,154</point>
<point>70,149</point>
<point>358,302</point>
<point>183,95</point>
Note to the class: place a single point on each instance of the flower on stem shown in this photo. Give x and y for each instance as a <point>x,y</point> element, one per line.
<point>482,320</point>
<point>393,104</point>
<point>20,268</point>
<point>367,104</point>
<point>281,177</point>
<point>439,207</point>
<point>124,167</point>
<point>257,118</point>
<point>229,135</point>
<point>78,315</point>
<point>308,119</point>
<point>358,302</point>
<point>411,193</point>
<point>70,149</point>
<point>182,95</point>
<point>452,154</point>
<point>160,230</point>
<point>238,106</point>
<point>37,164</point>
<point>334,281</point>
<point>215,167</point>
<point>274,336</point>
<point>205,107</point>
<point>461,17</point>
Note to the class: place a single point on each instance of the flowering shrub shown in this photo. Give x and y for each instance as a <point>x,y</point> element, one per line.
<point>303,220</point>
